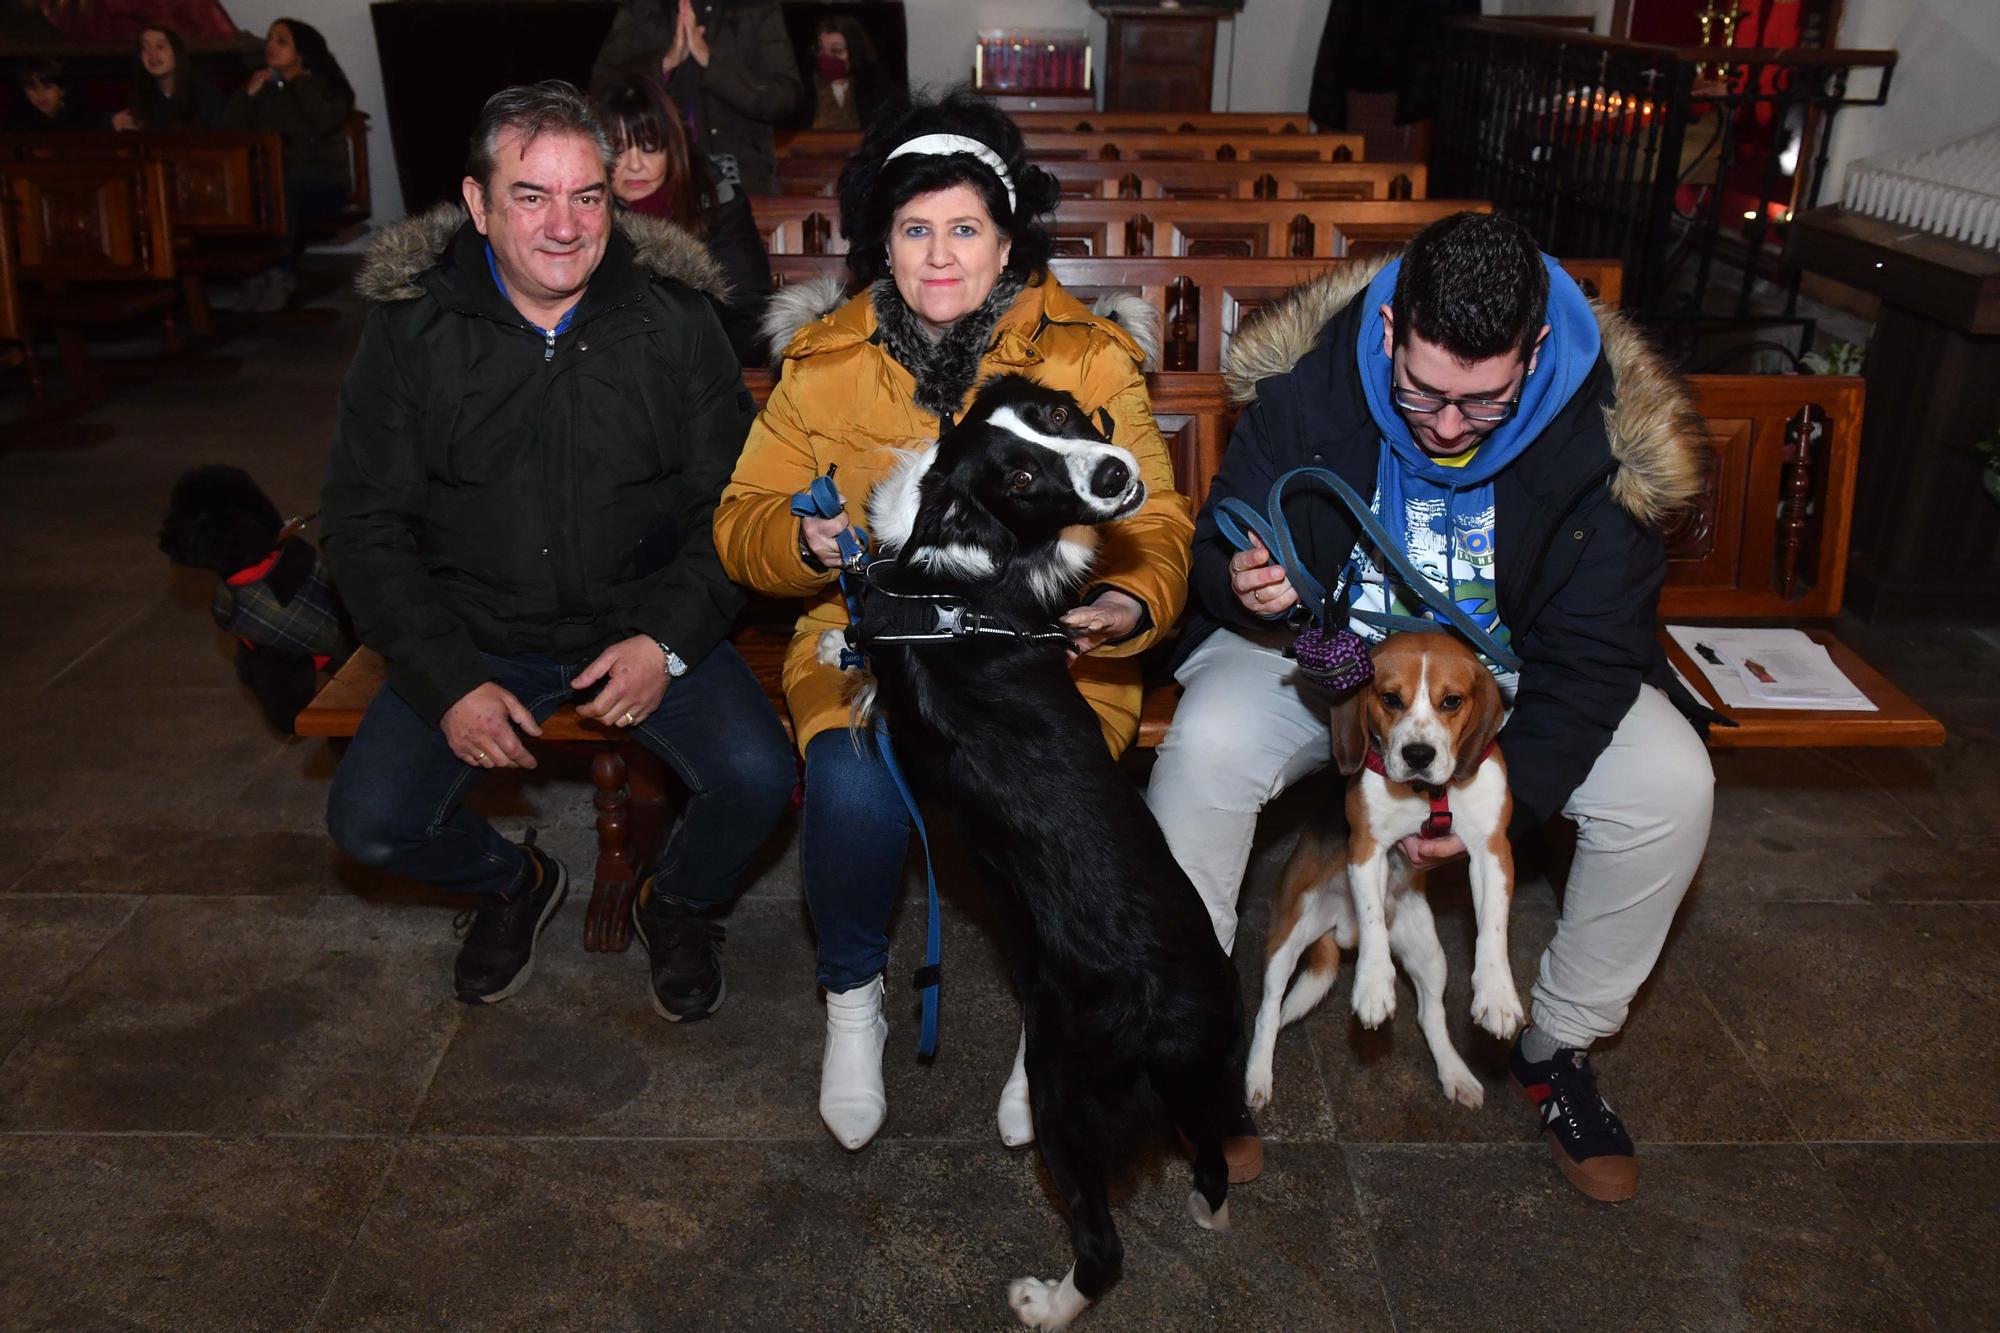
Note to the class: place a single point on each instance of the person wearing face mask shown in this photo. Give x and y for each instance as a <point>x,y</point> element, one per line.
<point>729,68</point>
<point>848,84</point>
<point>166,94</point>
<point>943,215</point>
<point>656,174</point>
<point>303,95</point>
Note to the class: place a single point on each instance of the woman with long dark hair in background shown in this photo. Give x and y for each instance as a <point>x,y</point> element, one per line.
<point>658,174</point>
<point>303,95</point>
<point>166,92</point>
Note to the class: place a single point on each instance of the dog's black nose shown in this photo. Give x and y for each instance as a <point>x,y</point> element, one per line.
<point>1109,478</point>
<point>1418,757</point>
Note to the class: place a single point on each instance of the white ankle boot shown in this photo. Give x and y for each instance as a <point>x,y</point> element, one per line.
<point>851,1099</point>
<point>1017,1119</point>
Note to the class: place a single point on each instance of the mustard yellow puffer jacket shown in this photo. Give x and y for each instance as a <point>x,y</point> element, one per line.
<point>841,398</point>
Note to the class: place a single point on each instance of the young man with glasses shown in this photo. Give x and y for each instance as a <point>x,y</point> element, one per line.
<point>1525,450</point>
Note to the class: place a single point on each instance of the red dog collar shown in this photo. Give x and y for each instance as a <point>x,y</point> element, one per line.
<point>251,573</point>
<point>1439,824</point>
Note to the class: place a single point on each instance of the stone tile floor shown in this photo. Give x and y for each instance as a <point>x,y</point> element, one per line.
<point>235,1091</point>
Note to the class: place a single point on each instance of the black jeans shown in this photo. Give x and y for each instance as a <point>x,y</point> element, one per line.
<point>397,799</point>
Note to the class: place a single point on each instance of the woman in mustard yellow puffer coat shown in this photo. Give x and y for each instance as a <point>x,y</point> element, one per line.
<point>939,206</point>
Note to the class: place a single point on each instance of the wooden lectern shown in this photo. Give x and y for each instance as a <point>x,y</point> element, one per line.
<point>1926,541</point>
<point>1161,57</point>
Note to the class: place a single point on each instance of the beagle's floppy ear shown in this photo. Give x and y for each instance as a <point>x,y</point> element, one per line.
<point>1350,730</point>
<point>1103,420</point>
<point>1484,712</point>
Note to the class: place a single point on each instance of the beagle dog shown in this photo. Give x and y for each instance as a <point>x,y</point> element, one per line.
<point>1417,747</point>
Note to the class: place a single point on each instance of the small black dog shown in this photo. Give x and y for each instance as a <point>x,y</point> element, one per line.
<point>1131,1007</point>
<point>272,592</point>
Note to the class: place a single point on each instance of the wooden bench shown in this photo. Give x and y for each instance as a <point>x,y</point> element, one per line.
<point>1123,145</point>
<point>1139,228</point>
<point>1166,122</point>
<point>1180,180</point>
<point>1203,302</point>
<point>16,347</point>
<point>351,223</point>
<point>94,243</point>
<point>1735,558</point>
<point>226,191</point>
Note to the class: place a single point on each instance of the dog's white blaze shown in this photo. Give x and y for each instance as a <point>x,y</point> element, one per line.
<point>1420,725</point>
<point>1081,457</point>
<point>892,505</point>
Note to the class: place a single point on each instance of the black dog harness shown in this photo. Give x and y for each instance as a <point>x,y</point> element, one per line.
<point>929,617</point>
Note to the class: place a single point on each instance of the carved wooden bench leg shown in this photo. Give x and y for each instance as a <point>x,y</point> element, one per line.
<point>607,923</point>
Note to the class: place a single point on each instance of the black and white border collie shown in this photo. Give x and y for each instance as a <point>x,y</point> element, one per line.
<point>1132,1011</point>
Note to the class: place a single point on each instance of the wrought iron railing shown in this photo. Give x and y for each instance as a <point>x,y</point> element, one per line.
<point>1686,162</point>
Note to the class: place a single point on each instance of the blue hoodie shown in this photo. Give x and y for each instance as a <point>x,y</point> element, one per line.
<point>1443,514</point>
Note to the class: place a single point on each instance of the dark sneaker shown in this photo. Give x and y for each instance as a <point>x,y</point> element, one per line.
<point>1589,1143</point>
<point>499,949</point>
<point>684,978</point>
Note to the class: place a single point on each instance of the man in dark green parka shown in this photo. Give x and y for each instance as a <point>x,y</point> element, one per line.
<point>532,438</point>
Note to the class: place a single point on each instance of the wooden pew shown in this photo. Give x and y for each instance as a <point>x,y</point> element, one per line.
<point>351,223</point>
<point>1200,228</point>
<point>1202,302</point>
<point>1114,145</point>
<point>226,193</point>
<point>16,347</point>
<point>1196,417</point>
<point>1181,180</point>
<point>95,245</point>
<point>1167,122</point>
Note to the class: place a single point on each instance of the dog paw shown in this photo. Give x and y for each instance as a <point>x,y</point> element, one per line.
<point>1257,1088</point>
<point>1207,1220</point>
<point>1042,1304</point>
<point>1496,1005</point>
<point>1460,1086</point>
<point>1374,995</point>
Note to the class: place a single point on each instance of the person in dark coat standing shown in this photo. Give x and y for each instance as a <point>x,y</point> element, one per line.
<point>729,67</point>
<point>1525,449</point>
<point>531,441</point>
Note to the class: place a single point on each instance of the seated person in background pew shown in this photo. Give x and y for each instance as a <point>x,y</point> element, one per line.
<point>1465,387</point>
<point>167,94</point>
<point>303,96</point>
<point>531,440</point>
<point>46,101</point>
<point>657,175</point>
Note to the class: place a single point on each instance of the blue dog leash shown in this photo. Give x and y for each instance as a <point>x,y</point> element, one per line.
<point>822,500</point>
<point>1238,519</point>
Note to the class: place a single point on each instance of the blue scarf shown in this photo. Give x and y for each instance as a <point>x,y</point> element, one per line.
<point>1405,472</point>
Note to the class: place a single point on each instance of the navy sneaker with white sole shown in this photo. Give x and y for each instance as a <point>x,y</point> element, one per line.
<point>499,950</point>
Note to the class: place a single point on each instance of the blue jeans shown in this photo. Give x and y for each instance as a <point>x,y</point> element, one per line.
<point>853,836</point>
<point>397,799</point>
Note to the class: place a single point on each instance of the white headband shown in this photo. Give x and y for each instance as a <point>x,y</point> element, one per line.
<point>943,145</point>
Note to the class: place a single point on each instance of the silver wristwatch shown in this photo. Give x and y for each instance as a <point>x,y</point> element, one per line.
<point>675,667</point>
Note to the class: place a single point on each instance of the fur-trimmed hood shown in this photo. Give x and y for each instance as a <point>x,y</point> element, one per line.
<point>402,253</point>
<point>794,308</point>
<point>1657,438</point>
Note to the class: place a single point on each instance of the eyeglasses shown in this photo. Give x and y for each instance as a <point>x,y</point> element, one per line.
<point>1483,410</point>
